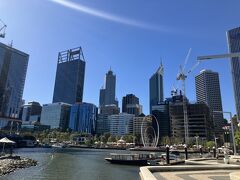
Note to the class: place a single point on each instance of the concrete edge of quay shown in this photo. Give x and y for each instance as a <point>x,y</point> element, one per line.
<point>146,172</point>
<point>235,176</point>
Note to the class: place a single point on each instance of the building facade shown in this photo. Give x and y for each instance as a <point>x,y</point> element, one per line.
<point>56,115</point>
<point>156,87</point>
<point>83,118</point>
<point>141,121</point>
<point>107,93</point>
<point>31,111</point>
<point>161,113</point>
<point>103,122</point>
<point>70,74</point>
<point>199,120</point>
<point>13,68</point>
<point>208,91</point>
<point>130,105</point>
<point>121,124</point>
<point>233,37</point>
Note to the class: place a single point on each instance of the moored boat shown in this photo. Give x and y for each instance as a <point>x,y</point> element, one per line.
<point>59,145</point>
<point>130,159</point>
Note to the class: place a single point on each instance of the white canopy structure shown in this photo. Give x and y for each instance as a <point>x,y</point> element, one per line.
<point>6,141</point>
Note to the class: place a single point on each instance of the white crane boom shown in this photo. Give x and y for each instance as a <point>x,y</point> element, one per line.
<point>2,29</point>
<point>218,56</point>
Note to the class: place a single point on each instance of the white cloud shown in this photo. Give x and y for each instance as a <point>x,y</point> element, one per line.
<point>108,16</point>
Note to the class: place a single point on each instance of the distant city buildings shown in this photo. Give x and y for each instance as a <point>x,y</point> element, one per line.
<point>233,37</point>
<point>110,109</point>
<point>83,118</point>
<point>121,124</point>
<point>70,74</point>
<point>103,122</point>
<point>13,68</point>
<point>31,111</point>
<point>156,87</point>
<point>56,115</point>
<point>130,105</point>
<point>107,93</point>
<point>208,91</point>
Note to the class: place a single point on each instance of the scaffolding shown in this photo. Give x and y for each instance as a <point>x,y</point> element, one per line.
<point>71,55</point>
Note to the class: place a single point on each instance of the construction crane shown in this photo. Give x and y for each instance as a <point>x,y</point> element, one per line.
<point>182,75</point>
<point>2,29</point>
<point>220,56</point>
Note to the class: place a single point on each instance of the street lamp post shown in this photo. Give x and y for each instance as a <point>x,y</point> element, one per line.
<point>196,140</point>
<point>233,139</point>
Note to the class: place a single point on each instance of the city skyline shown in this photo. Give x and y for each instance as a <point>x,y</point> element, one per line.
<point>155,45</point>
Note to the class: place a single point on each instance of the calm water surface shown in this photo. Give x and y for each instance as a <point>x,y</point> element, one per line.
<point>76,164</point>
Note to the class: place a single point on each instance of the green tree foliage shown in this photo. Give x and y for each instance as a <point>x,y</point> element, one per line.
<point>209,144</point>
<point>237,138</point>
<point>112,139</point>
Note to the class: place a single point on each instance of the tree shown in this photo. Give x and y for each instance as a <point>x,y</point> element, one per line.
<point>106,135</point>
<point>165,140</point>
<point>112,139</point>
<point>128,138</point>
<point>237,138</point>
<point>210,144</point>
<point>103,139</point>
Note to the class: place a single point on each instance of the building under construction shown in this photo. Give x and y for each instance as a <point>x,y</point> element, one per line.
<point>200,122</point>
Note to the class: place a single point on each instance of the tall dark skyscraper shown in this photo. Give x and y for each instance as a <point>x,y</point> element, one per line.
<point>13,68</point>
<point>70,74</point>
<point>130,105</point>
<point>208,91</point>
<point>233,37</point>
<point>107,93</point>
<point>156,87</point>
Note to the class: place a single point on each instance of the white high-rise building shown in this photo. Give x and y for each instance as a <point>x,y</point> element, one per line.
<point>208,91</point>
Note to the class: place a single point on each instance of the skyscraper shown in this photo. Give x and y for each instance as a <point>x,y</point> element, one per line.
<point>130,105</point>
<point>13,68</point>
<point>70,74</point>
<point>107,93</point>
<point>156,87</point>
<point>233,37</point>
<point>208,91</point>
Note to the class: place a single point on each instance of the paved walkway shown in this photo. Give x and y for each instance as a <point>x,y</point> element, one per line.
<point>194,175</point>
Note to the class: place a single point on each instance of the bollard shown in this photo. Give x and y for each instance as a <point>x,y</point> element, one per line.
<point>201,151</point>
<point>214,152</point>
<point>167,155</point>
<point>186,152</point>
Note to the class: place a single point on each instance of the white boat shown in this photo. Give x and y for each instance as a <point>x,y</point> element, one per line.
<point>59,145</point>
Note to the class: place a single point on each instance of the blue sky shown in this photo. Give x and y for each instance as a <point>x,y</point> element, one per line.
<point>130,36</point>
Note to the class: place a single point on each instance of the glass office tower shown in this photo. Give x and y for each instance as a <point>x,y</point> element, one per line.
<point>70,74</point>
<point>83,118</point>
<point>13,68</point>
<point>233,37</point>
<point>156,87</point>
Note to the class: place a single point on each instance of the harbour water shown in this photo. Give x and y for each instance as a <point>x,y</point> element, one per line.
<point>72,164</point>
